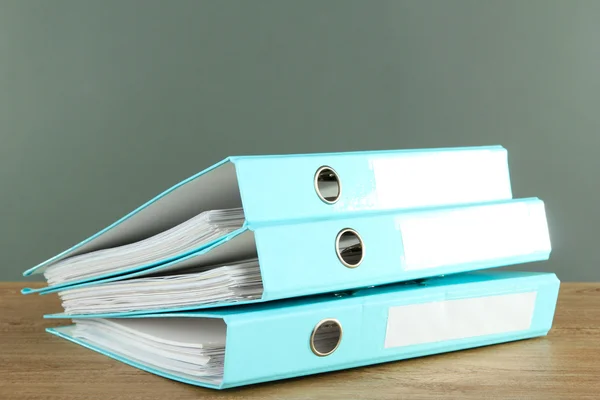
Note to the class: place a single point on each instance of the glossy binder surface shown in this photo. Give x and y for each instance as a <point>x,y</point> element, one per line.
<point>271,189</point>
<point>271,341</point>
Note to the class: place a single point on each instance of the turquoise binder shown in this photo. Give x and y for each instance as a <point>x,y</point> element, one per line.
<point>301,259</point>
<point>311,187</point>
<point>278,340</point>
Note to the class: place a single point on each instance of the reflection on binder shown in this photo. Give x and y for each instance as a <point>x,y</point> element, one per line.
<point>249,344</point>
<point>300,259</point>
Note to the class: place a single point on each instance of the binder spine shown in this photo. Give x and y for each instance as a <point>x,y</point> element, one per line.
<point>328,255</point>
<point>286,188</point>
<point>273,345</point>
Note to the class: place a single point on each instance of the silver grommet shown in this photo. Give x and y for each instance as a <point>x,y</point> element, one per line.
<point>328,185</point>
<point>326,337</point>
<point>349,248</point>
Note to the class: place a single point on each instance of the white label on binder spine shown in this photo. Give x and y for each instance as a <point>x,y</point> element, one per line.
<point>459,319</point>
<point>436,178</point>
<point>473,234</point>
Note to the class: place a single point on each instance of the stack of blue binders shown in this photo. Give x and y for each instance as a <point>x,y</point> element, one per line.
<point>262,268</point>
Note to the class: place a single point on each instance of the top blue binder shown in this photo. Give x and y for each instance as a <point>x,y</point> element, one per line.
<point>273,189</point>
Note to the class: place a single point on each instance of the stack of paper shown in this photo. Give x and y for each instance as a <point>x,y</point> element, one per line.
<point>269,267</point>
<point>191,348</point>
<point>175,242</point>
<point>228,283</point>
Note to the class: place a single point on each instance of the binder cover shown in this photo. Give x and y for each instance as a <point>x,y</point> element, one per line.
<point>278,340</point>
<point>271,189</point>
<point>304,259</point>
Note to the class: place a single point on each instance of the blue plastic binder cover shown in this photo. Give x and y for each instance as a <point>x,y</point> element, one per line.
<point>301,259</point>
<point>286,187</point>
<point>273,341</point>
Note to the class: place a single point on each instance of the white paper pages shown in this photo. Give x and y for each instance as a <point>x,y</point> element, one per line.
<point>227,283</point>
<point>192,348</point>
<point>187,236</point>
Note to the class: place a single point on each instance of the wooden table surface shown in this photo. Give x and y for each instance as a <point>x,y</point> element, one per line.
<point>565,364</point>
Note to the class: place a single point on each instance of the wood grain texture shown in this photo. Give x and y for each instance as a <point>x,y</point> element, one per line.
<point>563,365</point>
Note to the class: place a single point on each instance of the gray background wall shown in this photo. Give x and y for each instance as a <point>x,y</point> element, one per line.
<point>104,104</point>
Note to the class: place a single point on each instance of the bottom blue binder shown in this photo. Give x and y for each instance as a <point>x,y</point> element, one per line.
<point>234,346</point>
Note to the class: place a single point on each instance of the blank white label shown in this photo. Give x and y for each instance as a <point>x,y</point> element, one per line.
<point>459,319</point>
<point>447,177</point>
<point>473,234</point>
